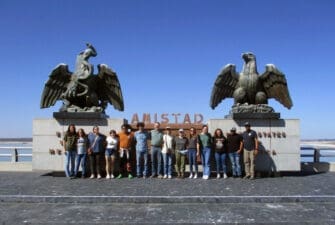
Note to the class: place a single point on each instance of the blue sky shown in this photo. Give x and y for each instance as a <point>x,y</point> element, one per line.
<point>168,53</point>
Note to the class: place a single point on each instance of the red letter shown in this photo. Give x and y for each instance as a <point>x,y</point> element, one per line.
<point>164,117</point>
<point>176,117</point>
<point>134,119</point>
<point>146,118</point>
<point>187,119</point>
<point>196,120</point>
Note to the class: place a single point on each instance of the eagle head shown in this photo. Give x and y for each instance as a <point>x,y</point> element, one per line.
<point>248,56</point>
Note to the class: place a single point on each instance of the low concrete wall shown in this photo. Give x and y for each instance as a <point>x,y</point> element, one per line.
<point>45,138</point>
<point>16,166</point>
<point>318,167</point>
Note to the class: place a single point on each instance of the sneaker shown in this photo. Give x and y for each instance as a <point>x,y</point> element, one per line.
<point>252,178</point>
<point>169,177</point>
<point>195,176</point>
<point>92,176</point>
<point>108,176</point>
<point>160,176</point>
<point>246,177</point>
<point>205,177</point>
<point>130,176</point>
<point>191,176</point>
<point>165,176</point>
<point>112,176</point>
<point>99,176</point>
<point>225,176</point>
<point>218,176</point>
<point>144,177</point>
<point>153,176</point>
<point>120,176</point>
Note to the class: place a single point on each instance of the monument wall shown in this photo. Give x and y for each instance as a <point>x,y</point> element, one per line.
<point>48,133</point>
<point>279,148</point>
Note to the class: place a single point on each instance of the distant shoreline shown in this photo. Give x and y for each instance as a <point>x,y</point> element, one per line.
<point>16,139</point>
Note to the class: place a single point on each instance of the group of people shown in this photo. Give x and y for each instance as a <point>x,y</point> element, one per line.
<point>164,150</point>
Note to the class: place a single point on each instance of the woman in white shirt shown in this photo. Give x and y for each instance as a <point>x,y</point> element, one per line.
<point>82,144</point>
<point>167,151</point>
<point>111,150</point>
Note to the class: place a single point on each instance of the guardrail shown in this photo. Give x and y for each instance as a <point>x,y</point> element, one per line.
<point>317,152</point>
<point>15,153</point>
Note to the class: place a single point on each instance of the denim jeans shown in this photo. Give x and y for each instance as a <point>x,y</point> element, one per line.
<point>205,158</point>
<point>70,157</point>
<point>156,160</point>
<point>220,159</point>
<point>139,156</point>
<point>80,160</point>
<point>192,159</point>
<point>235,163</point>
<point>167,158</point>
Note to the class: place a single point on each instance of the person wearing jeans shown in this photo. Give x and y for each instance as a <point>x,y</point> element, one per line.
<point>141,137</point>
<point>82,143</point>
<point>219,141</point>
<point>70,150</point>
<point>156,137</point>
<point>193,153</point>
<point>167,151</point>
<point>235,147</point>
<point>205,146</point>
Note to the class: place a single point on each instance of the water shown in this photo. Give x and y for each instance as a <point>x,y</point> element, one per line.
<point>326,155</point>
<point>18,145</point>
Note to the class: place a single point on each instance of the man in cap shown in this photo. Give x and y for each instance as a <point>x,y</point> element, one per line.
<point>250,145</point>
<point>235,147</point>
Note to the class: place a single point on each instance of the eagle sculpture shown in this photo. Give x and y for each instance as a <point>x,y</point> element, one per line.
<point>248,88</point>
<point>82,91</point>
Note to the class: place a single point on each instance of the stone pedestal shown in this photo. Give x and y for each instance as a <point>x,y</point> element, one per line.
<point>279,141</point>
<point>48,133</point>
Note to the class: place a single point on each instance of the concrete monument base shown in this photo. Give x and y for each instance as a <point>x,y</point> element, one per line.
<point>279,139</point>
<point>48,133</point>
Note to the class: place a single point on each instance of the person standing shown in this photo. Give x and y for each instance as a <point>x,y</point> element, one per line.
<point>70,150</point>
<point>110,153</point>
<point>181,146</point>
<point>82,144</point>
<point>141,137</point>
<point>250,145</point>
<point>126,140</point>
<point>96,149</point>
<point>167,151</point>
<point>235,147</point>
<point>219,141</point>
<point>205,145</point>
<point>193,153</point>
<point>156,137</point>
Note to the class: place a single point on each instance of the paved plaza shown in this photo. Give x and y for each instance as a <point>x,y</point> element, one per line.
<point>293,198</point>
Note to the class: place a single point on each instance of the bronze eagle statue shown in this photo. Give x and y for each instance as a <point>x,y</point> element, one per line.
<point>248,87</point>
<point>82,91</point>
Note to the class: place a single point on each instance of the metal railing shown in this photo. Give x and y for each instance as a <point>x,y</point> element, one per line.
<point>15,152</point>
<point>317,152</point>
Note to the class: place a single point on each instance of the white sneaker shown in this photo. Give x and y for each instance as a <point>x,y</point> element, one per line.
<point>205,177</point>
<point>195,176</point>
<point>108,176</point>
<point>225,176</point>
<point>170,177</point>
<point>165,176</point>
<point>112,176</point>
<point>191,176</point>
<point>92,176</point>
<point>99,176</point>
<point>218,176</point>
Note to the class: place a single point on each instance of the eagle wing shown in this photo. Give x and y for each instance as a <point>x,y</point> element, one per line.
<point>275,85</point>
<point>55,86</point>
<point>224,86</point>
<point>109,88</point>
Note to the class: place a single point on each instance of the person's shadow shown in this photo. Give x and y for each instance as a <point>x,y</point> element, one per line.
<point>264,162</point>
